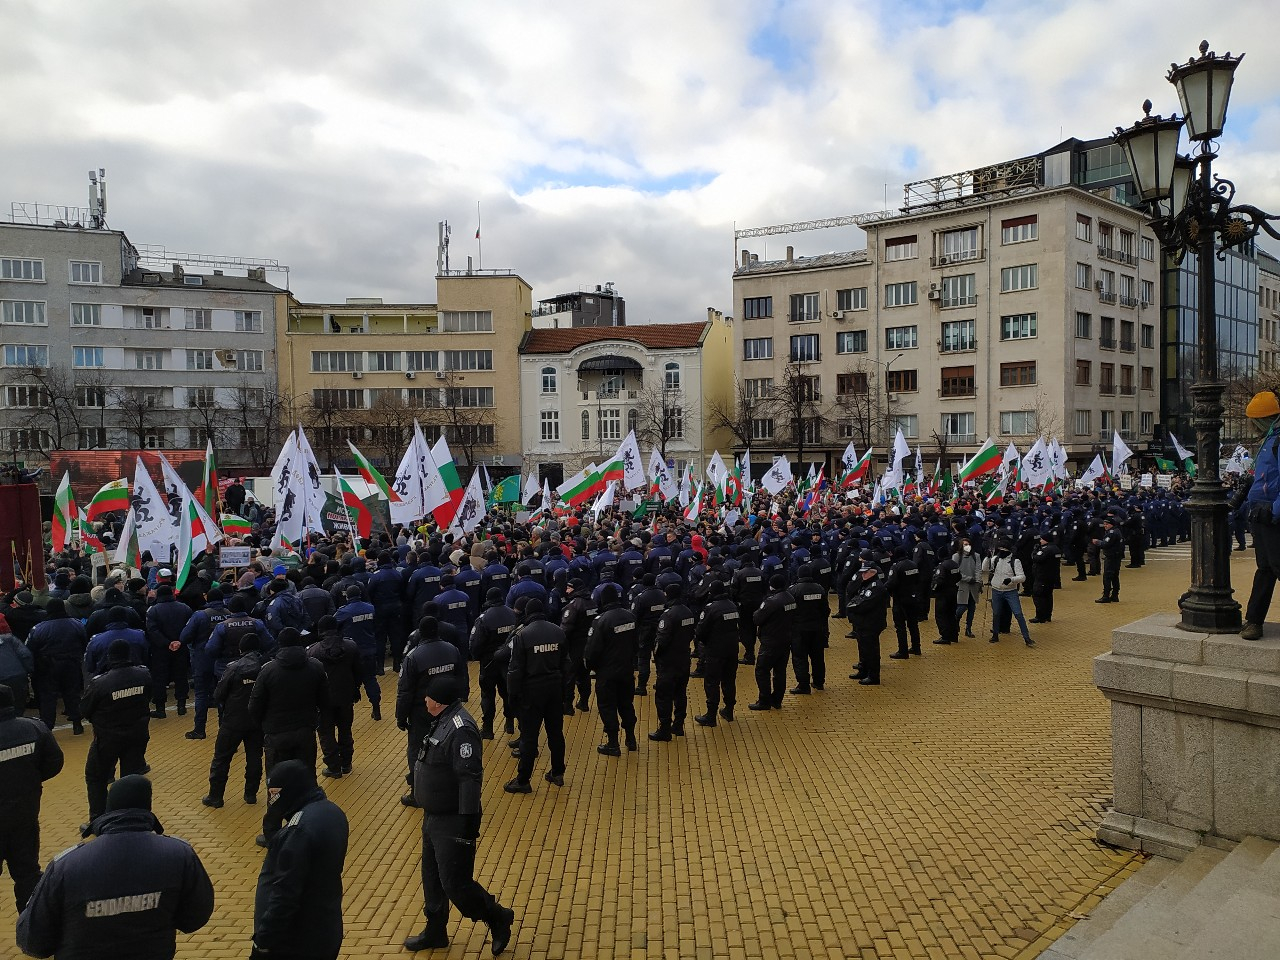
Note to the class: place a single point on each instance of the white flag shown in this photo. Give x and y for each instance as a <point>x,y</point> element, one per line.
<point>1120,452</point>
<point>849,459</point>
<point>632,466</point>
<point>605,500</point>
<point>1240,461</point>
<point>546,494</point>
<point>291,509</point>
<point>747,484</point>
<point>471,509</point>
<point>157,532</point>
<point>1183,453</point>
<point>779,475</point>
<point>427,466</point>
<point>175,485</point>
<point>312,489</point>
<point>716,470</point>
<point>1095,470</point>
<point>661,476</point>
<point>408,487</point>
<point>1010,453</point>
<point>919,467</point>
<point>1059,459</point>
<point>1036,466</point>
<point>531,488</point>
<point>900,449</point>
<point>686,488</point>
<point>122,550</point>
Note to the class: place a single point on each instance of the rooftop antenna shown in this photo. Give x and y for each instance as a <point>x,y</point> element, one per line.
<point>98,198</point>
<point>442,248</point>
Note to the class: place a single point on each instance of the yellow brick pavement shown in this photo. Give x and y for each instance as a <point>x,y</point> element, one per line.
<point>946,814</point>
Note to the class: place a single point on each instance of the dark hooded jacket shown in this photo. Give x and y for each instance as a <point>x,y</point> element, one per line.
<point>290,692</point>
<point>341,661</point>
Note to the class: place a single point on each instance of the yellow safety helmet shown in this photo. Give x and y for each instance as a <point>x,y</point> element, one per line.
<point>1263,406</point>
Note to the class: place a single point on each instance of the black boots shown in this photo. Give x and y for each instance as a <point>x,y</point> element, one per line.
<point>500,928</point>
<point>610,747</point>
<point>434,937</point>
<point>631,739</point>
<point>486,730</point>
<point>662,734</point>
<point>727,713</point>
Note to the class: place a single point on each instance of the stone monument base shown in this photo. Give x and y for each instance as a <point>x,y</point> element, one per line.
<point>1195,734</point>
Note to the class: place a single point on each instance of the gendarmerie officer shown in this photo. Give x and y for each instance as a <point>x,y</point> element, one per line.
<point>611,653</point>
<point>29,755</point>
<point>492,630</point>
<point>125,894</point>
<point>717,634</point>
<point>672,649</point>
<point>775,620</point>
<point>430,657</point>
<point>579,613</point>
<point>236,725</point>
<point>747,589</point>
<point>535,679</point>
<point>907,590</point>
<point>1046,577</point>
<point>57,645</point>
<point>446,784</point>
<point>944,586</point>
<point>813,624</point>
<point>866,603</point>
<point>647,605</point>
<point>1111,549</point>
<point>116,703</point>
<point>195,637</point>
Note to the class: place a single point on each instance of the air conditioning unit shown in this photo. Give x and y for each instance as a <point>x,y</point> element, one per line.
<point>356,374</point>
<point>1099,286</point>
<point>837,314</point>
<point>933,286</point>
<point>410,374</point>
<point>935,294</point>
<point>943,261</point>
<point>439,374</point>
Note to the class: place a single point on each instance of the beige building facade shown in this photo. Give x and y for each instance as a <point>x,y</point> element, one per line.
<point>1268,316</point>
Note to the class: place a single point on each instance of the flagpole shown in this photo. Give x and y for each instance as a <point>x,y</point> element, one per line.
<point>479,242</point>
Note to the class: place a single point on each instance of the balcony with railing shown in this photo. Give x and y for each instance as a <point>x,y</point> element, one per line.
<point>1107,296</point>
<point>1107,343</point>
<point>962,438</point>
<point>1129,302</point>
<point>1127,389</point>
<point>610,394</point>
<point>1117,256</point>
<point>1107,389</point>
<point>965,300</point>
<point>1128,346</point>
<point>970,255</point>
<point>804,316</point>
<point>957,389</point>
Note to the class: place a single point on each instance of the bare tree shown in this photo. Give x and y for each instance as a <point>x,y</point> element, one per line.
<point>139,409</point>
<point>799,409</point>
<point>861,403</point>
<point>259,415</point>
<point>661,414</point>
<point>328,414</point>
<point>737,415</point>
<point>50,400</point>
<point>465,415</point>
<point>391,424</point>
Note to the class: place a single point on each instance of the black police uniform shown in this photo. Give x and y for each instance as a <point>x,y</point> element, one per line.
<point>341,660</point>
<point>867,604</point>
<point>611,652</point>
<point>236,728</point>
<point>579,613</point>
<point>29,755</point>
<point>944,585</point>
<point>671,652</point>
<point>747,589</point>
<point>775,620</point>
<point>536,680</point>
<point>1046,577</point>
<point>906,588</point>
<point>647,605</point>
<point>717,634</point>
<point>1111,547</point>
<point>430,657</point>
<point>492,629</point>
<point>57,645</point>
<point>813,625</point>
<point>116,703</point>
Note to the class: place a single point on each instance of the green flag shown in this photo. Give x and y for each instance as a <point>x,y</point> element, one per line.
<point>641,510</point>
<point>1168,466</point>
<point>1190,465</point>
<point>506,491</point>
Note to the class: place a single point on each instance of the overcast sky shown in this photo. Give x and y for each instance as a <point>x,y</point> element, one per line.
<point>603,141</point>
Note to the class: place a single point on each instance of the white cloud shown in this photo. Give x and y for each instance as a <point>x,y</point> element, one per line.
<point>604,141</point>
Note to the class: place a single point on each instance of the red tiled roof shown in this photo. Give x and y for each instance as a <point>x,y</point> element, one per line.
<point>655,336</point>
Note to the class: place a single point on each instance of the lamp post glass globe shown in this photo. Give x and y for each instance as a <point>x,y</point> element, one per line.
<point>1204,89</point>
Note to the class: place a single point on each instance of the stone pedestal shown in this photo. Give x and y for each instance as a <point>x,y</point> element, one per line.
<point>1195,732</point>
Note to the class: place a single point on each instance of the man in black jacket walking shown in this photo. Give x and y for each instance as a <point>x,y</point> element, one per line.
<point>430,657</point>
<point>775,619</point>
<point>341,660</point>
<point>579,613</point>
<point>717,635</point>
<point>671,653</point>
<point>236,726</point>
<point>123,895</point>
<point>535,678</point>
<point>297,913</point>
<point>28,756</point>
<point>116,703</point>
<point>611,653</point>
<point>492,630</point>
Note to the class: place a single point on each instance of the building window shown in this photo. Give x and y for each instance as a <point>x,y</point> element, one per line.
<point>956,246</point>
<point>851,341</point>
<point>586,425</point>
<point>1107,333</point>
<point>549,380</point>
<point>845,430</point>
<point>86,271</point>
<point>1018,230</point>
<point>200,398</point>
<point>84,357</point>
<point>959,291</point>
<point>197,319</point>
<point>337,399</point>
<point>202,359</point>
<point>384,361</point>
<point>1148,336</point>
<point>148,359</point>
<point>469,397</point>
<point>22,311</point>
<point>804,307</point>
<point>149,318</point>
<point>756,308</point>
<point>900,294</point>
<point>760,348</point>
<point>901,248</point>
<point>471,434</point>
<point>1084,228</point>
<point>811,430</point>
<point>86,315</point>
<point>1108,423</point>
<point>1107,378</point>
<point>422,360</point>
<point>908,423</point>
<point>427,398</point>
<point>155,440</point>
<point>91,438</point>
<point>1018,326</point>
<point>1126,336</point>
<point>1084,276</point>
<point>1126,380</point>
<point>1084,373</point>
<point>466,321</point>
<point>762,428</point>
<point>673,423</point>
<point>1127,287</point>
<point>854,298</point>
<point>30,439</point>
<point>1084,326</point>
<point>900,338</point>
<point>248,321</point>
<point>758,389</point>
<point>957,382</point>
<point>1018,423</point>
<point>550,426</point>
<point>804,349</point>
<point>1126,423</point>
<point>27,398</point>
<point>468,359</point>
<point>26,355</point>
<point>1021,373</point>
<point>671,376</point>
<point>1148,378</point>
<point>1148,292</point>
<point>901,381</point>
<point>959,335</point>
<point>1083,423</point>
<point>1147,246</point>
<point>91,397</point>
<point>851,383</point>
<point>249,361</point>
<point>1022,277</point>
<point>809,389</point>
<point>331,361</point>
<point>959,427</point>
<point>1148,420</point>
<point>15,269</point>
<point>610,426</point>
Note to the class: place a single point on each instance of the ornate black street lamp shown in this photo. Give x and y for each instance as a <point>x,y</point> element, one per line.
<point>1192,211</point>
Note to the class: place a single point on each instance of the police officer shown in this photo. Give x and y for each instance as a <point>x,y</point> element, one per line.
<point>298,908</point>
<point>867,602</point>
<point>671,652</point>
<point>225,642</point>
<point>944,586</point>
<point>1111,548</point>
<point>747,589</point>
<point>1046,577</point>
<point>169,662</point>
<point>356,620</point>
<point>775,620</point>
<point>535,679</point>
<point>717,635</point>
<point>647,604</point>
<point>906,589</point>
<point>57,645</point>
<point>195,637</point>
<point>124,894</point>
<point>812,633</point>
<point>579,614</point>
<point>430,657</point>
<point>116,703</point>
<point>236,726</point>
<point>341,661</point>
<point>446,784</point>
<point>492,630</point>
<point>385,587</point>
<point>95,654</point>
<point>29,755</point>
<point>611,653</point>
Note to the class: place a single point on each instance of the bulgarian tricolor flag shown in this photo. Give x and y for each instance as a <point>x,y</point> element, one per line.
<point>444,513</point>
<point>986,460</point>
<point>695,506</point>
<point>65,514</point>
<point>91,542</point>
<point>615,469</point>
<point>993,490</point>
<point>112,498</point>
<point>356,506</point>
<point>192,540</point>
<point>859,470</point>
<point>581,486</point>
<point>208,492</point>
<point>128,551</point>
<point>234,526</point>
<point>370,475</point>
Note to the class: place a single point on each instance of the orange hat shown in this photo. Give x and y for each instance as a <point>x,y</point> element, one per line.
<point>1264,405</point>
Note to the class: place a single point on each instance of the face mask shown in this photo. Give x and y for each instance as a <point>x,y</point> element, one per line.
<point>968,549</point>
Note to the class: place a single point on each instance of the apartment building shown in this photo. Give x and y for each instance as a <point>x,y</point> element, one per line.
<point>363,370</point>
<point>603,307</point>
<point>1005,301</point>
<point>1268,316</point>
<point>582,389</point>
<point>101,350</point>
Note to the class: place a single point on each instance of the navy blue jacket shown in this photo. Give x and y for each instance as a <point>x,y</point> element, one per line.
<point>95,655</point>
